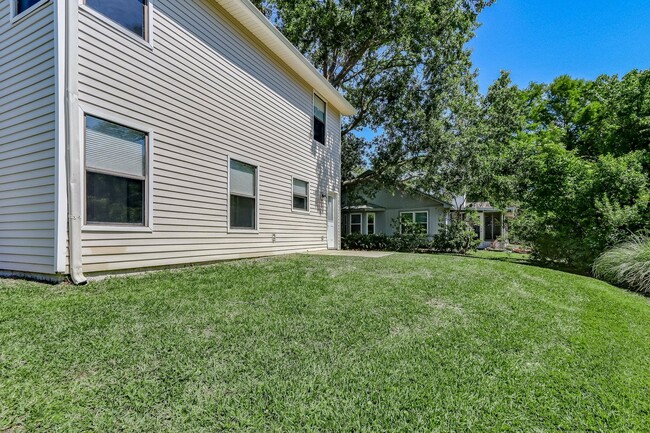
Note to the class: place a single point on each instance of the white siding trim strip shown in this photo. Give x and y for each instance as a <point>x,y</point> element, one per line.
<point>60,174</point>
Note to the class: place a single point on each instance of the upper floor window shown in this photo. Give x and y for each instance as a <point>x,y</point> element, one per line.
<point>300,195</point>
<point>243,195</point>
<point>23,5</point>
<point>116,171</point>
<point>320,110</point>
<point>130,14</point>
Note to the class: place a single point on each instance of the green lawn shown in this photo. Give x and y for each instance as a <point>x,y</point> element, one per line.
<point>408,343</point>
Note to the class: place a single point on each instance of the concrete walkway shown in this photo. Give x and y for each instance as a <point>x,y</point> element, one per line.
<point>351,253</point>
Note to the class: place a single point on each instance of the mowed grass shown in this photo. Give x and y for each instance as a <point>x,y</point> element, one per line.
<point>406,343</point>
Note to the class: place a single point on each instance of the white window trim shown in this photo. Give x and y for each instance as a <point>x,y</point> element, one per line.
<point>17,17</point>
<point>360,222</point>
<point>303,211</point>
<point>313,123</point>
<point>256,230</point>
<point>85,110</point>
<point>413,212</point>
<point>147,41</point>
<point>374,225</point>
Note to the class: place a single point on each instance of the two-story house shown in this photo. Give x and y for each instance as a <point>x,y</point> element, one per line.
<point>137,134</point>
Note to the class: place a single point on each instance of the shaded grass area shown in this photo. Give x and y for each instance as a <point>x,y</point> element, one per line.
<point>316,343</point>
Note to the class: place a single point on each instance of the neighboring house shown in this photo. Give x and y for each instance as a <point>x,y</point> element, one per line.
<point>379,214</point>
<point>138,134</point>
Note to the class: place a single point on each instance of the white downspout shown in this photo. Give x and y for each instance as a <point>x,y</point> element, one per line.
<point>73,149</point>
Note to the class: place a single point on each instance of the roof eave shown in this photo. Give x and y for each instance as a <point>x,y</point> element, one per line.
<point>251,18</point>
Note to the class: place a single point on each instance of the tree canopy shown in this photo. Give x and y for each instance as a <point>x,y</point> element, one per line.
<point>575,155</point>
<point>404,65</point>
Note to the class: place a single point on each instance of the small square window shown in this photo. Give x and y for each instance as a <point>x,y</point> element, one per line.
<point>300,195</point>
<point>130,14</point>
<point>320,112</point>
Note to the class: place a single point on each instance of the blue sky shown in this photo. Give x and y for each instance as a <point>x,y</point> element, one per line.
<point>537,40</point>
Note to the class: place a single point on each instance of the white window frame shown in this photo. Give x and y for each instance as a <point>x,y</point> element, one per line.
<point>16,17</point>
<point>293,209</point>
<point>413,212</point>
<point>360,222</point>
<point>147,41</point>
<point>85,110</point>
<point>238,230</point>
<point>313,122</point>
<point>374,224</point>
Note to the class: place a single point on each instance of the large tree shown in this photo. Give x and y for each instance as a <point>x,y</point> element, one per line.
<point>404,65</point>
<point>575,155</point>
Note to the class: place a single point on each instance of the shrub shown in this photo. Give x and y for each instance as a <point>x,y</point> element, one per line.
<point>627,264</point>
<point>409,242</point>
<point>574,208</point>
<point>456,237</point>
<point>382,242</point>
<point>358,241</point>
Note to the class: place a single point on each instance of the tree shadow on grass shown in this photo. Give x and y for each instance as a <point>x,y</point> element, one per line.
<point>522,259</point>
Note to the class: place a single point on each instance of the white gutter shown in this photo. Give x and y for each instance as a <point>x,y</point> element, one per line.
<point>252,19</point>
<point>73,149</point>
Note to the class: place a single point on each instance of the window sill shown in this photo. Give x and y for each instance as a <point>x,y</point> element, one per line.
<point>119,229</point>
<point>115,26</point>
<point>301,211</point>
<point>244,231</point>
<point>24,14</point>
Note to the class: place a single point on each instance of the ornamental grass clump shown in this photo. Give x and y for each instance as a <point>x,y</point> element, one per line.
<point>627,265</point>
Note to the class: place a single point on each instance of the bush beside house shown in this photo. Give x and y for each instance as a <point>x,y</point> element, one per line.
<point>456,237</point>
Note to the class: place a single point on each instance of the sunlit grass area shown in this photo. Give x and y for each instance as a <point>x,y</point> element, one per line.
<point>327,344</point>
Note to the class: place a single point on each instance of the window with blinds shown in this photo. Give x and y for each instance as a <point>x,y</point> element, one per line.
<point>300,195</point>
<point>243,195</point>
<point>116,169</point>
<point>320,111</point>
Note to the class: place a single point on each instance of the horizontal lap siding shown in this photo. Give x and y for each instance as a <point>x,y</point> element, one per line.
<point>208,91</point>
<point>27,141</point>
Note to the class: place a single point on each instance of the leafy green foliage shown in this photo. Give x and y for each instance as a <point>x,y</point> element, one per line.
<point>405,66</point>
<point>407,243</point>
<point>456,237</point>
<point>627,264</point>
<point>359,241</point>
<point>578,167</point>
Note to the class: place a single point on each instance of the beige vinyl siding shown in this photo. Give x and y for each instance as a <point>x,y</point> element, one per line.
<point>27,141</point>
<point>209,91</point>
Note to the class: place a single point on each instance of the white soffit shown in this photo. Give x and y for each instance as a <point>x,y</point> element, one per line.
<point>253,20</point>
